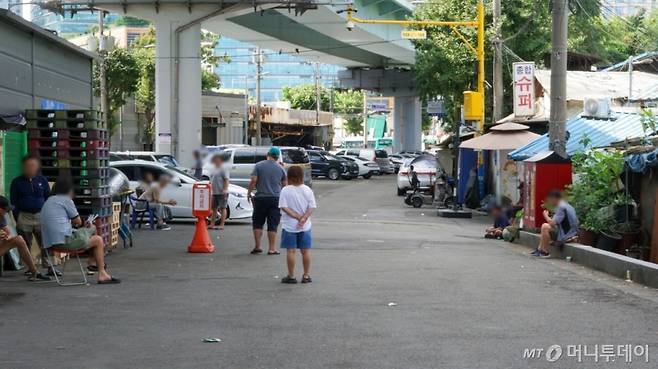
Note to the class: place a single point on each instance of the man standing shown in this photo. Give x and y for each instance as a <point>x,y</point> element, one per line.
<point>563,226</point>
<point>267,179</point>
<point>220,183</point>
<point>198,165</point>
<point>28,193</point>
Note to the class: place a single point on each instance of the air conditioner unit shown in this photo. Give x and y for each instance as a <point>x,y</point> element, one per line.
<point>597,107</point>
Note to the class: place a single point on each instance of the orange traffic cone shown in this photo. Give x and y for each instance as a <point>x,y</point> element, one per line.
<point>201,242</point>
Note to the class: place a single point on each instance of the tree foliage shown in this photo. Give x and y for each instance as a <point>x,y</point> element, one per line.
<point>446,67</point>
<point>304,97</point>
<point>122,71</point>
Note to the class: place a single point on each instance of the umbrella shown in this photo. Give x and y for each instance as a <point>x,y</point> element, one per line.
<point>501,139</point>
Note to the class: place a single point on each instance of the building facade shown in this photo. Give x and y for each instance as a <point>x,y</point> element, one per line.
<point>278,70</point>
<point>625,8</point>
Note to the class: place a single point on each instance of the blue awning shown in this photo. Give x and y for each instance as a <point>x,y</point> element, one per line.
<point>601,132</point>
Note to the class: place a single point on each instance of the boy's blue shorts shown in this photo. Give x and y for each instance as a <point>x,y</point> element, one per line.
<point>296,240</point>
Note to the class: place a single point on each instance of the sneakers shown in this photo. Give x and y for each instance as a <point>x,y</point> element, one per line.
<point>163,227</point>
<point>535,252</point>
<point>540,254</point>
<point>289,280</point>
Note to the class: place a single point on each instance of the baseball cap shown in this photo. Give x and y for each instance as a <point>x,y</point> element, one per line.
<point>274,152</point>
<point>4,204</point>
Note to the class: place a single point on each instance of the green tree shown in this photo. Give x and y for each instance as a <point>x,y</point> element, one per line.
<point>348,102</point>
<point>131,21</point>
<point>445,66</point>
<point>354,124</point>
<point>121,71</point>
<point>304,97</point>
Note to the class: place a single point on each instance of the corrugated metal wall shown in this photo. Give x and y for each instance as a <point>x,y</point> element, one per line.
<point>39,73</point>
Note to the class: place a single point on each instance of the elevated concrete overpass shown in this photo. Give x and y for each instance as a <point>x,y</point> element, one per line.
<point>312,29</point>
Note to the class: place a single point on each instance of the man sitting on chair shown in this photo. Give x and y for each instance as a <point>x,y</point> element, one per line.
<point>58,216</point>
<point>8,242</point>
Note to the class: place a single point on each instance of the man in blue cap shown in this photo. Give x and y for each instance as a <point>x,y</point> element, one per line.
<point>267,179</point>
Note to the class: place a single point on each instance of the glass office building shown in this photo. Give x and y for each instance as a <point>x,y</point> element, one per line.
<point>278,70</point>
<point>66,25</point>
<point>626,8</point>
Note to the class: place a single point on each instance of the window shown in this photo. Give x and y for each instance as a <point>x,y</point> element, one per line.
<point>157,172</point>
<point>144,157</point>
<point>315,157</point>
<point>353,152</point>
<point>261,154</point>
<point>243,157</point>
<point>167,160</point>
<point>129,171</point>
<point>381,154</point>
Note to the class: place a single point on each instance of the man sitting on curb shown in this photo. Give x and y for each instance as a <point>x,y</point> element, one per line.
<point>562,227</point>
<point>8,242</point>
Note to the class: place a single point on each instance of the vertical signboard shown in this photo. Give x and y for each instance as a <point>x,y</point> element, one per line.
<point>524,89</point>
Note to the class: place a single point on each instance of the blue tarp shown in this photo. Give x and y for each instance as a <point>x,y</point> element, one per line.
<point>639,163</point>
<point>600,132</point>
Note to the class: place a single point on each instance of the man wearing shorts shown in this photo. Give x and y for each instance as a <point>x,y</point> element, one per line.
<point>267,179</point>
<point>58,216</point>
<point>219,182</point>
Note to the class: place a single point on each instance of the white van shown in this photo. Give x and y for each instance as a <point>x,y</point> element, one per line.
<point>240,162</point>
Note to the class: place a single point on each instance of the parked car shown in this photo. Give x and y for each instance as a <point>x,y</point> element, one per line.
<point>366,167</point>
<point>153,156</point>
<point>180,188</point>
<point>397,160</point>
<point>425,175</point>
<point>240,162</point>
<point>324,164</point>
<point>378,156</point>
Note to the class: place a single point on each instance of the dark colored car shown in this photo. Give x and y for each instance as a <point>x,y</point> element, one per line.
<point>324,164</point>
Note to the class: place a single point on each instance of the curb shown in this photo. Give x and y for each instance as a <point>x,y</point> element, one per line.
<point>641,271</point>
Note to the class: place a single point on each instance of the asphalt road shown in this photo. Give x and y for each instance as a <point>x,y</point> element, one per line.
<point>394,287</point>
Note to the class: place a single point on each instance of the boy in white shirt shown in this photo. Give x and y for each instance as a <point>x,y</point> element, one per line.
<point>297,203</point>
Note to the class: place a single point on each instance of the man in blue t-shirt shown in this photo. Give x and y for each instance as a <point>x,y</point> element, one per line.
<point>28,193</point>
<point>562,226</point>
<point>267,179</point>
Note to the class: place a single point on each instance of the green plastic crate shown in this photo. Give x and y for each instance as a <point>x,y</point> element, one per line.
<point>14,148</point>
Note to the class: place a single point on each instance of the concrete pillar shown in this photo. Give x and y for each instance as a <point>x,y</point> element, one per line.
<point>164,32</point>
<point>398,124</point>
<point>188,130</point>
<point>412,123</point>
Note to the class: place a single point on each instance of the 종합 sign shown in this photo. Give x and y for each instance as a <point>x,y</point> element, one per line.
<point>524,89</point>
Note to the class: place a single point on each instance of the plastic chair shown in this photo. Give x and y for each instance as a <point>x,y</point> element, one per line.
<point>140,208</point>
<point>68,252</point>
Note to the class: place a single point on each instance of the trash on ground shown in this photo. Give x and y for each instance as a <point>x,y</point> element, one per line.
<point>211,340</point>
<point>392,304</point>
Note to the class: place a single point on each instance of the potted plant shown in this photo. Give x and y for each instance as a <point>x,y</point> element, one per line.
<point>630,235</point>
<point>608,240</point>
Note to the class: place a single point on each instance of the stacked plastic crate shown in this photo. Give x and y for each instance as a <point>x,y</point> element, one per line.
<point>74,144</point>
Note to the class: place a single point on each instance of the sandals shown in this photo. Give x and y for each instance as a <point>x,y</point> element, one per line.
<point>110,281</point>
<point>256,251</point>
<point>94,268</point>
<point>306,279</point>
<point>273,253</point>
<point>289,280</point>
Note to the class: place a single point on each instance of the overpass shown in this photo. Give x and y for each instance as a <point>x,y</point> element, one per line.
<point>313,29</point>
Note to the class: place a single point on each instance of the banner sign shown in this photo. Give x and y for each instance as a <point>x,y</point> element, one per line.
<point>524,89</point>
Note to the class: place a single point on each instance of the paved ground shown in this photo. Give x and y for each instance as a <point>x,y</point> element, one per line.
<point>462,302</point>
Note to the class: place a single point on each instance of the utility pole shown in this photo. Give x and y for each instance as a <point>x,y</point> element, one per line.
<point>556,130</point>
<point>259,72</point>
<point>318,98</point>
<point>630,78</point>
<point>102,48</point>
<point>497,65</point>
<point>365,120</point>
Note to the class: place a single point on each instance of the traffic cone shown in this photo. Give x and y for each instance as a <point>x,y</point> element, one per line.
<point>201,242</point>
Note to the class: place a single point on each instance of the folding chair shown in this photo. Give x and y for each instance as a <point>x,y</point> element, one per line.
<point>140,208</point>
<point>51,263</point>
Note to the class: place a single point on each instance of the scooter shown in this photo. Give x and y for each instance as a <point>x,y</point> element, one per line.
<point>419,196</point>
<point>444,190</point>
